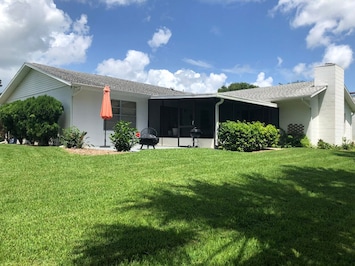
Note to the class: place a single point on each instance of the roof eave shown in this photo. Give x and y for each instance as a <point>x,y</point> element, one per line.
<point>215,95</point>
<point>350,100</point>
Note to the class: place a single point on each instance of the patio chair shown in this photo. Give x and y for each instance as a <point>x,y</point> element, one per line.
<point>148,137</point>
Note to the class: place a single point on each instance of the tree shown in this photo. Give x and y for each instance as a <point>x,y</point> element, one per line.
<point>34,119</point>
<point>42,121</point>
<point>237,86</point>
<point>13,119</point>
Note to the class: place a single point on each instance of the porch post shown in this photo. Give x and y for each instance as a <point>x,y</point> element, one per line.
<point>216,112</point>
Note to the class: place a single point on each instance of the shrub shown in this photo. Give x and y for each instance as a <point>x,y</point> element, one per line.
<point>347,144</point>
<point>293,140</point>
<point>34,119</point>
<point>2,132</point>
<point>305,142</point>
<point>72,137</point>
<point>246,136</point>
<point>124,136</point>
<point>42,120</point>
<point>324,145</point>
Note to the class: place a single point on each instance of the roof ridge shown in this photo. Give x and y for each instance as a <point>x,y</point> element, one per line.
<point>74,77</point>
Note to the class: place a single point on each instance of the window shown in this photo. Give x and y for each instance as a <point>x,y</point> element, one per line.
<point>121,110</point>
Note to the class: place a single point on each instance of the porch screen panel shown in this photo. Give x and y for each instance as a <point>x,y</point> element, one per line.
<point>122,110</point>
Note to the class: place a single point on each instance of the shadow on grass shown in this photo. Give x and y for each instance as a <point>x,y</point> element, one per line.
<point>349,154</point>
<point>305,217</point>
<point>115,244</point>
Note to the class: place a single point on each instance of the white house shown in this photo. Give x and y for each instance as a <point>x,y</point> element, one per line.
<point>322,108</point>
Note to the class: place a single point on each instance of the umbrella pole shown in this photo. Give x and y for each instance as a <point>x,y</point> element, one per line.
<point>105,134</point>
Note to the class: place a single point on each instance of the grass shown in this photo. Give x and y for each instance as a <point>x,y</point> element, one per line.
<point>177,207</point>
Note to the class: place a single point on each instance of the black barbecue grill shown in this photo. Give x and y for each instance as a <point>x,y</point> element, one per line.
<point>148,137</point>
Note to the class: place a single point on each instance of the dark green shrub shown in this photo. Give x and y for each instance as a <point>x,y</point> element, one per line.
<point>42,121</point>
<point>13,117</point>
<point>246,136</point>
<point>124,136</point>
<point>2,132</point>
<point>324,145</point>
<point>347,145</point>
<point>72,137</point>
<point>293,140</point>
<point>34,119</point>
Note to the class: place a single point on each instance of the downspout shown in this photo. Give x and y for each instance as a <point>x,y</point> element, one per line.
<point>216,112</point>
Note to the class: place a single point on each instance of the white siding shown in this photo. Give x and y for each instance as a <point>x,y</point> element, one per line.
<point>313,131</point>
<point>36,84</point>
<point>295,112</point>
<point>86,114</point>
<point>347,123</point>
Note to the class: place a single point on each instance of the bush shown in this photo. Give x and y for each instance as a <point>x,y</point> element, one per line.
<point>293,140</point>
<point>247,136</point>
<point>305,142</point>
<point>72,137</point>
<point>42,120</point>
<point>124,136</point>
<point>34,119</point>
<point>2,132</point>
<point>324,145</point>
<point>347,145</point>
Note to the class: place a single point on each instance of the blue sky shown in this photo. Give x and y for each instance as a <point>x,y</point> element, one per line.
<point>190,45</point>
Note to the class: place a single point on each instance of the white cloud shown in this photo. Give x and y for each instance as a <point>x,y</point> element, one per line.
<point>328,19</point>
<point>224,2</point>
<point>262,82</point>
<point>279,61</point>
<point>38,31</point>
<point>238,69</point>
<point>300,69</point>
<point>133,67</point>
<point>341,55</point>
<point>130,68</point>
<point>161,37</point>
<point>330,22</point>
<point>198,63</point>
<point>122,2</point>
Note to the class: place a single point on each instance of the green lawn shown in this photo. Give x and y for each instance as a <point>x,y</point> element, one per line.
<point>176,207</point>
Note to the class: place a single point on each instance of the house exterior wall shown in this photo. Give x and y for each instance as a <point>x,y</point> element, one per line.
<point>37,84</point>
<point>86,114</point>
<point>331,107</point>
<point>295,112</point>
<point>313,129</point>
<point>348,123</point>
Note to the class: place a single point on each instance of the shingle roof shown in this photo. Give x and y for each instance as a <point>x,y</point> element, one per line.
<point>93,80</point>
<point>278,93</point>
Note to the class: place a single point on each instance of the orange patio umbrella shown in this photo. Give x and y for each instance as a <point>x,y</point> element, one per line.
<point>106,108</point>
